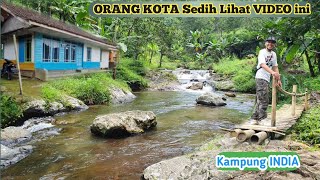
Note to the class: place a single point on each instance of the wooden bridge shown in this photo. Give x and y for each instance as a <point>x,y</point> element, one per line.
<point>277,122</point>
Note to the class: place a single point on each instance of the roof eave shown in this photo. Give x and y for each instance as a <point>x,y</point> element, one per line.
<point>111,47</point>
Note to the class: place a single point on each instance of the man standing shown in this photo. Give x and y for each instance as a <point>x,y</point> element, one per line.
<point>267,65</point>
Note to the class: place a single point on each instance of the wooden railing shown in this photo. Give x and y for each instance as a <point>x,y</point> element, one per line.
<point>294,96</point>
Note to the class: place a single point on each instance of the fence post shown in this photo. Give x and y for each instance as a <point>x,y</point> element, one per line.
<point>18,63</point>
<point>294,99</point>
<point>274,103</point>
<point>306,105</point>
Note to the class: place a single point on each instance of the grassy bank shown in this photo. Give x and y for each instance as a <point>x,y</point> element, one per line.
<point>132,72</point>
<point>91,89</point>
<point>10,109</point>
<point>307,129</point>
<point>239,71</point>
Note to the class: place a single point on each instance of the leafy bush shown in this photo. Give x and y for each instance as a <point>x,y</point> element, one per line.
<point>240,71</point>
<point>131,77</point>
<point>312,83</point>
<point>10,110</point>
<point>308,127</point>
<point>91,89</point>
<point>137,66</point>
<point>244,81</point>
<point>50,94</point>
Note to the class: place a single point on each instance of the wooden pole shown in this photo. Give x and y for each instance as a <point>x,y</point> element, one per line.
<point>294,99</point>
<point>306,105</point>
<point>18,64</point>
<point>274,103</point>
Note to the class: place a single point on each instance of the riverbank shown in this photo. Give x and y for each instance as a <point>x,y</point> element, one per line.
<point>33,115</point>
<point>201,163</point>
<point>76,152</point>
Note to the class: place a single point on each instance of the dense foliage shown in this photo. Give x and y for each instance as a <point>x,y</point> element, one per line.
<point>239,71</point>
<point>131,72</point>
<point>10,110</point>
<point>196,42</point>
<point>308,127</point>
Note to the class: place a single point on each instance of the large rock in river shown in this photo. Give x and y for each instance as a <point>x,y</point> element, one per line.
<point>14,135</point>
<point>40,108</point>
<point>123,124</point>
<point>211,99</point>
<point>119,95</point>
<point>11,156</point>
<point>196,86</point>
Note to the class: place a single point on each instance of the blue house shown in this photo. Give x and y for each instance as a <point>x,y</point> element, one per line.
<point>51,48</point>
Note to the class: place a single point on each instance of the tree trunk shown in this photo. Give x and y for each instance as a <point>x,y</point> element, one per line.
<point>160,63</point>
<point>115,34</point>
<point>136,55</point>
<point>309,64</point>
<point>317,57</point>
<point>319,66</point>
<point>151,57</point>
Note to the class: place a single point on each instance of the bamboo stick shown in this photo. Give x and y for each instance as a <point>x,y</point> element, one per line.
<point>259,137</point>
<point>18,63</point>
<point>244,135</point>
<point>274,103</point>
<point>294,99</point>
<point>235,132</point>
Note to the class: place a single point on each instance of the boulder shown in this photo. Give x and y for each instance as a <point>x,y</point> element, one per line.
<point>14,135</point>
<point>210,99</point>
<point>75,104</point>
<point>11,156</point>
<point>225,85</point>
<point>39,108</point>
<point>201,164</point>
<point>230,94</point>
<point>121,96</point>
<point>196,86</point>
<point>123,124</point>
<point>38,124</point>
<point>8,153</point>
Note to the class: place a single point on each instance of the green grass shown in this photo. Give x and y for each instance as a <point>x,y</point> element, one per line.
<point>91,89</point>
<point>307,129</point>
<point>132,72</point>
<point>11,110</point>
<point>240,72</point>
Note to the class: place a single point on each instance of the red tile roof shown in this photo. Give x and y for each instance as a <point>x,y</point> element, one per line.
<point>31,15</point>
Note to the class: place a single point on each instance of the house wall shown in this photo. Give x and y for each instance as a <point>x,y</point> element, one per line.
<point>61,65</point>
<point>21,42</point>
<point>95,57</point>
<point>9,52</point>
<point>104,59</point>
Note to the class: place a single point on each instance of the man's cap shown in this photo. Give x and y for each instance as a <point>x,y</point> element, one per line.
<point>272,39</point>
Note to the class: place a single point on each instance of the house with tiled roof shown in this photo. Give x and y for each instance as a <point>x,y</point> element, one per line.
<point>48,47</point>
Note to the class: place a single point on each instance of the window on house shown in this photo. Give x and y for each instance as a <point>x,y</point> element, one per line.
<point>2,51</point>
<point>73,53</point>
<point>46,50</point>
<point>55,50</point>
<point>28,50</point>
<point>67,53</point>
<point>88,53</point>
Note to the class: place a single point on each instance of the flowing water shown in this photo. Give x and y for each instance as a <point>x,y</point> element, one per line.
<point>77,154</point>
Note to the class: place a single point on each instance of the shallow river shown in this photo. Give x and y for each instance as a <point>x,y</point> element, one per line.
<point>76,154</point>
